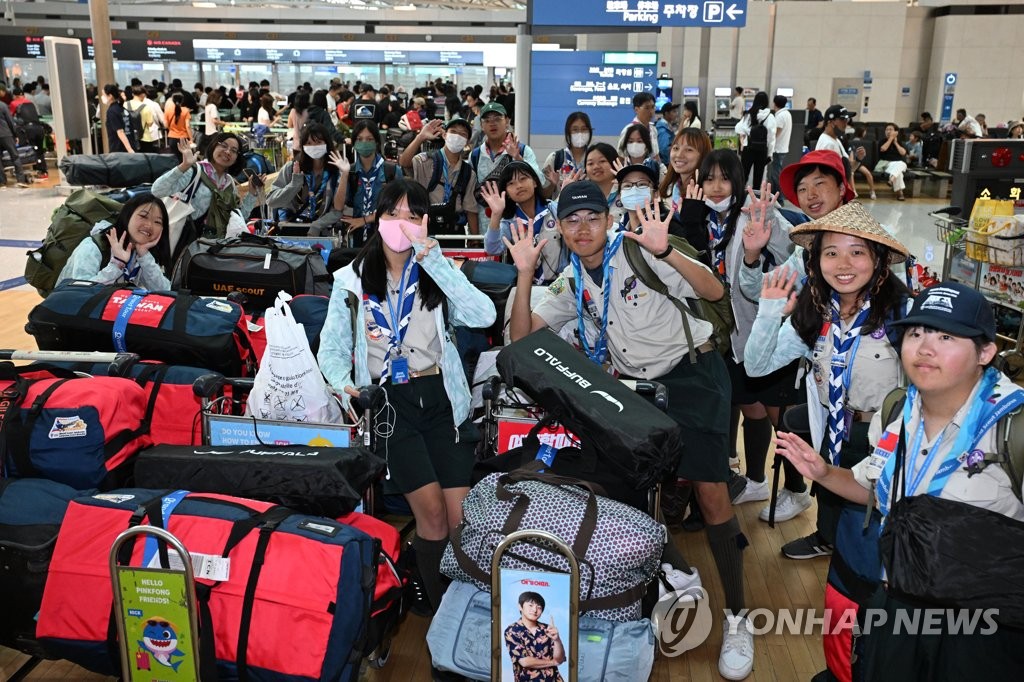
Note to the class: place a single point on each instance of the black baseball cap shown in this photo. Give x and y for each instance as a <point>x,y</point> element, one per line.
<point>638,168</point>
<point>581,195</point>
<point>954,308</point>
<point>838,111</point>
<point>669,106</point>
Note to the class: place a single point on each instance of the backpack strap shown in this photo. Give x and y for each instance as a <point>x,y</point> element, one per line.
<point>474,160</point>
<point>1010,450</point>
<point>435,175</point>
<point>892,405</point>
<point>654,283</point>
<point>462,182</point>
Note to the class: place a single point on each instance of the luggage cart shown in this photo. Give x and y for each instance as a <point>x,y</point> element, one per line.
<point>118,362</point>
<point>161,602</point>
<point>967,253</point>
<point>500,620</point>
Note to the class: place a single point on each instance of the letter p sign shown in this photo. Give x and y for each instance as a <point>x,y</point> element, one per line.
<point>714,12</point>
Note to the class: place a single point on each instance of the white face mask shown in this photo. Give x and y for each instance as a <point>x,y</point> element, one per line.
<point>580,140</point>
<point>720,206</point>
<point>315,151</point>
<point>455,143</point>
<point>636,149</point>
<point>634,198</point>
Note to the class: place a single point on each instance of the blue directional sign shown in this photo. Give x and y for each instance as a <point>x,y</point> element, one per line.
<point>601,84</point>
<point>638,13</point>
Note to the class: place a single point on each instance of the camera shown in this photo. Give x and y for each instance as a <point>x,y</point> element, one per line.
<point>442,218</point>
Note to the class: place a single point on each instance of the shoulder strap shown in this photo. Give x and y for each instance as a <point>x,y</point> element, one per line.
<point>1010,450</point>
<point>559,159</point>
<point>353,310</point>
<point>390,170</point>
<point>892,405</point>
<point>474,160</point>
<point>462,182</point>
<point>654,283</point>
<point>104,246</point>
<point>435,174</point>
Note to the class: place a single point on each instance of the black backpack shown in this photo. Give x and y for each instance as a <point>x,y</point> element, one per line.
<point>461,182</point>
<point>758,136</point>
<point>133,124</point>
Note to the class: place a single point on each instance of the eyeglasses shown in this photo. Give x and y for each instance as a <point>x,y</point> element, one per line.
<point>635,185</point>
<point>160,623</point>
<point>574,223</point>
<point>224,146</point>
<point>492,118</point>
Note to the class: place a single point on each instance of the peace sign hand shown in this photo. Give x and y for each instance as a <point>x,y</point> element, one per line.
<point>575,176</point>
<point>525,254</point>
<point>422,244</point>
<point>694,191</point>
<point>653,232</point>
<point>780,283</point>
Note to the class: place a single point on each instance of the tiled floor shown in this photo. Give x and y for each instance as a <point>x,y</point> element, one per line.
<point>25,215</point>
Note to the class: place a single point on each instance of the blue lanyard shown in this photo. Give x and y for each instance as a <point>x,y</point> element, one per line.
<point>313,195</point>
<point>120,326</point>
<point>167,506</point>
<point>444,175</point>
<point>847,373</point>
<point>600,351</point>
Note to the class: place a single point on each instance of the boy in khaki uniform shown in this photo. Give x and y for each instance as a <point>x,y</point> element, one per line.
<point>640,335</point>
<point>456,134</point>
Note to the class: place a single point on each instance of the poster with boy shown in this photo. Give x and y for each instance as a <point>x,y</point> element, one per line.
<point>156,620</point>
<point>535,620</point>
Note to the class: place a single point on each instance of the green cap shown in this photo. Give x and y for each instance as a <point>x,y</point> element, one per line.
<point>458,120</point>
<point>493,106</point>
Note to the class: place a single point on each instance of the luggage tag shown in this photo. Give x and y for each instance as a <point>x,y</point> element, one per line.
<point>546,454</point>
<point>847,423</point>
<point>399,368</point>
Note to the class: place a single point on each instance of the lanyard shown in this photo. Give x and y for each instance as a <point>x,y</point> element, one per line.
<point>369,181</point>
<point>541,210</point>
<point>444,175</point>
<point>120,326</point>
<point>600,351</point>
<point>716,233</point>
<point>313,195</point>
<point>131,269</point>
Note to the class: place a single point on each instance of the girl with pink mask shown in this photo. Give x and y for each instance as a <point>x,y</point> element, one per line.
<point>404,294</point>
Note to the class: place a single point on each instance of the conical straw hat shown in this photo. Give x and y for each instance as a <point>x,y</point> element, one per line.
<point>851,219</point>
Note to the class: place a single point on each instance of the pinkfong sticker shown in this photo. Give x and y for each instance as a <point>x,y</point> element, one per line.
<point>68,427</point>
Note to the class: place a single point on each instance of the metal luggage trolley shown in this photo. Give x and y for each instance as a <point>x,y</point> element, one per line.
<point>969,256</point>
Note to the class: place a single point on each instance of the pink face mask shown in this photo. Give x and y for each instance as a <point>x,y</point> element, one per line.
<point>391,233</point>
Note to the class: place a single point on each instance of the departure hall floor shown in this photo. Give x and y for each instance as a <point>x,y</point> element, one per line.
<point>772,581</point>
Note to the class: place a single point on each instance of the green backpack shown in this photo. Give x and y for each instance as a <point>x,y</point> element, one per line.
<point>718,313</point>
<point>1009,441</point>
<point>70,223</point>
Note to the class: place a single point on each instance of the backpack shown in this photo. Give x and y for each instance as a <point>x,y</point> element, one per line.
<point>133,124</point>
<point>70,224</point>
<point>718,313</point>
<point>494,175</point>
<point>1010,441</point>
<point>461,182</point>
<point>758,136</point>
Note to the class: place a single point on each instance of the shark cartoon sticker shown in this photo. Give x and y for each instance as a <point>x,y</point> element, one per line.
<point>160,640</point>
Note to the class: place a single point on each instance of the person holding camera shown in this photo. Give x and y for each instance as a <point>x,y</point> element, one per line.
<point>518,196</point>
<point>449,180</point>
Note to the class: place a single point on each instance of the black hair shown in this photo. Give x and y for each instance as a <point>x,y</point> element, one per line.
<point>691,106</point>
<point>604,149</point>
<point>219,137</point>
<point>162,251</point>
<point>112,90</point>
<point>814,303</point>
<point>301,102</point>
<point>803,171</point>
<point>780,101</point>
<point>572,118</point>
<point>728,164</point>
<point>178,100</point>
<point>510,171</point>
<point>926,116</point>
<point>319,99</point>
<point>760,102</point>
<point>366,124</point>
<point>645,137</point>
<point>316,131</point>
<point>534,597</point>
<point>370,264</point>
<point>642,98</point>
<point>462,123</point>
<point>738,90</point>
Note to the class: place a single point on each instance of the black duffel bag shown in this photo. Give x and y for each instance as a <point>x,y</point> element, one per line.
<point>115,170</point>
<point>322,481</point>
<point>168,326</point>
<point>631,437</point>
<point>258,267</point>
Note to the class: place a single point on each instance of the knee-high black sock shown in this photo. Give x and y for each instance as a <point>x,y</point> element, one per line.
<point>794,482</point>
<point>428,561</point>
<point>673,555</point>
<point>757,438</point>
<point>734,429</point>
<point>727,543</point>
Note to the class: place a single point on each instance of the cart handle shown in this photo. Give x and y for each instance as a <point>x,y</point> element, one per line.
<point>119,362</point>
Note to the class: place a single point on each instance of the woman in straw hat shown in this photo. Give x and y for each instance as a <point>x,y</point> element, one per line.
<point>840,321</point>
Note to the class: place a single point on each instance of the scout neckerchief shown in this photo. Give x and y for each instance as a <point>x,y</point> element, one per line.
<point>568,163</point>
<point>613,195</point>
<point>844,349</point>
<point>985,411</point>
<point>395,324</point>
<point>716,232</point>
<point>600,351</point>
<point>541,219</point>
<point>131,269</point>
<point>320,194</point>
<point>370,182</point>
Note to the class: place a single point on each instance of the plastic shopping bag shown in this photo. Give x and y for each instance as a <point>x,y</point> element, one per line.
<point>289,385</point>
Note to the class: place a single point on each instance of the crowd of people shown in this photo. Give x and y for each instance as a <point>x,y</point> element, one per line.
<point>590,232</point>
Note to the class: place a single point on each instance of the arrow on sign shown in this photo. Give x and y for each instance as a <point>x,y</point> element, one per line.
<point>648,87</point>
<point>649,72</point>
<point>733,12</point>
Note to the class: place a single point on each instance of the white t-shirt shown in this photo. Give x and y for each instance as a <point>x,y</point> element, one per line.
<point>784,126</point>
<point>736,106</point>
<point>212,114</point>
<point>826,141</point>
<point>263,117</point>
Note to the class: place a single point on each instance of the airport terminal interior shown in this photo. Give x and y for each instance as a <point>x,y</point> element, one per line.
<point>934,79</point>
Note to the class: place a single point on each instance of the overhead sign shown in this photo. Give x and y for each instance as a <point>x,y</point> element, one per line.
<point>601,84</point>
<point>261,51</point>
<point>133,49</point>
<point>637,13</point>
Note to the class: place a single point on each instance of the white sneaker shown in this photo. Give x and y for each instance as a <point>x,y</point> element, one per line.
<point>737,657</point>
<point>787,505</point>
<point>734,463</point>
<point>680,581</point>
<point>754,492</point>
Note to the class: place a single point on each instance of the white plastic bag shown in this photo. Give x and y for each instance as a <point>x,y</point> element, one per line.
<point>289,385</point>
